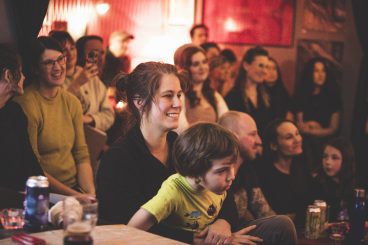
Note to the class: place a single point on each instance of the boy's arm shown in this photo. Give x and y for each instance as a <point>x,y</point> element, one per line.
<point>142,220</point>
<point>226,221</point>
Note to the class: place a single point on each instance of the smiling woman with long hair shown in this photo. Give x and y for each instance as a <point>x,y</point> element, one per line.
<point>133,169</point>
<point>202,102</point>
<point>249,94</point>
<point>285,179</point>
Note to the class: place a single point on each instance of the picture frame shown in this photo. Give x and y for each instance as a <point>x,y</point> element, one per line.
<point>261,22</point>
<point>324,16</point>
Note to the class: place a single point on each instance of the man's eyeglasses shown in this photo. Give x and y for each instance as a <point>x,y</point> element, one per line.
<point>50,63</point>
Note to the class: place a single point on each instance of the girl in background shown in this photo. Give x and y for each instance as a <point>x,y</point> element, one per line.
<point>335,180</point>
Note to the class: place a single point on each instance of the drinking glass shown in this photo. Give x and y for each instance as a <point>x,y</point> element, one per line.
<point>338,230</point>
<point>12,218</point>
<point>80,217</point>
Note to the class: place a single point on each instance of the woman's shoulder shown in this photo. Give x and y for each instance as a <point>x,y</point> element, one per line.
<point>29,100</point>
<point>28,95</point>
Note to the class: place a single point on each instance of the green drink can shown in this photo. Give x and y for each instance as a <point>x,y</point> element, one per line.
<point>323,220</point>
<point>312,222</point>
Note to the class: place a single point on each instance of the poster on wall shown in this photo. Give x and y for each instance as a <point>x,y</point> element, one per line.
<point>330,50</point>
<point>324,15</point>
<point>260,22</point>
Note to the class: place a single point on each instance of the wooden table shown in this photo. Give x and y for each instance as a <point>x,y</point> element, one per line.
<point>106,234</point>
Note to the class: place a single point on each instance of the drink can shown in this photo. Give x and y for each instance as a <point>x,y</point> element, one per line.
<point>312,222</point>
<point>323,206</point>
<point>36,204</point>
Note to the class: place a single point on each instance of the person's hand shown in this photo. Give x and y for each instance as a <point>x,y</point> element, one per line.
<point>217,233</point>
<point>241,237</point>
<point>88,72</point>
<point>313,125</point>
<point>88,119</point>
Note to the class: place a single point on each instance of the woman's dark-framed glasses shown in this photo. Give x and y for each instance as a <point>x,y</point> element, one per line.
<point>61,60</point>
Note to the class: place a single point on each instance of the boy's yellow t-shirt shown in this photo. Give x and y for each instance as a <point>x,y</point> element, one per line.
<point>181,207</point>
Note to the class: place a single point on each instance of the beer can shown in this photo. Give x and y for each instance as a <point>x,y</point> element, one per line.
<point>323,206</point>
<point>36,204</point>
<point>312,222</point>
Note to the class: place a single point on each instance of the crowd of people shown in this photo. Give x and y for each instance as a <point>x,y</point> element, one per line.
<point>210,150</point>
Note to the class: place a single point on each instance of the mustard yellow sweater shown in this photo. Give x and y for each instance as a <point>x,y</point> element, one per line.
<point>56,132</point>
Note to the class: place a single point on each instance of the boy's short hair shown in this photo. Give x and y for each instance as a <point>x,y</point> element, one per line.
<point>196,148</point>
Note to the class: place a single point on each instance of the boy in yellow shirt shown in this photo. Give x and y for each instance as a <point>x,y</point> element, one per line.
<point>204,157</point>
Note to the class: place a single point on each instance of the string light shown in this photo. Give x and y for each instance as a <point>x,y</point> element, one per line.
<point>102,8</point>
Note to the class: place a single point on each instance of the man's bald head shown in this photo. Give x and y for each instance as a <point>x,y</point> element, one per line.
<point>245,128</point>
<point>233,119</point>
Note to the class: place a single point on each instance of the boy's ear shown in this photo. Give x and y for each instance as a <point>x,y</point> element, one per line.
<point>8,76</point>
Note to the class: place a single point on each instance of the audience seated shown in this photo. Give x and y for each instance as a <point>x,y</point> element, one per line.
<point>231,67</point>
<point>335,180</point>
<point>249,94</point>
<point>84,83</point>
<point>199,34</point>
<point>18,161</point>
<point>122,186</point>
<point>284,176</point>
<point>249,198</point>
<point>202,103</point>
<point>245,191</point>
<point>55,124</point>
<point>280,100</point>
<point>199,153</point>
<point>318,107</point>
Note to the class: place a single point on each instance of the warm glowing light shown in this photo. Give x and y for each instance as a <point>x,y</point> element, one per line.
<point>102,8</point>
<point>156,48</point>
<point>120,106</point>
<point>231,25</point>
<point>79,20</point>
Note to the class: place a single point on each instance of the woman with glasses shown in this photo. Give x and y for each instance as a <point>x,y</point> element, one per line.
<point>55,124</point>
